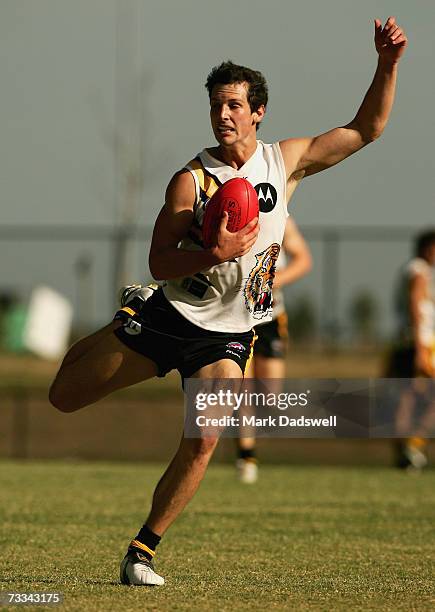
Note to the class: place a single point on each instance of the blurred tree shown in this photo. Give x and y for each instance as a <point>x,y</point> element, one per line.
<point>83,268</point>
<point>10,325</point>
<point>136,160</point>
<point>302,321</point>
<point>363,314</point>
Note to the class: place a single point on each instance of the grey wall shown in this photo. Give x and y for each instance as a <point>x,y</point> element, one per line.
<point>70,83</point>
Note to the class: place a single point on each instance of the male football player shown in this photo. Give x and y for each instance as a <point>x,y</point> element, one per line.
<point>414,353</point>
<point>214,296</point>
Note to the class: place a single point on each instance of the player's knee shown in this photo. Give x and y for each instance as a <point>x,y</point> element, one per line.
<point>61,400</point>
<point>203,447</point>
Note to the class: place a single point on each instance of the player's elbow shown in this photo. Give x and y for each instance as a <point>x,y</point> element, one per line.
<point>157,274</point>
<point>305,261</point>
<point>64,402</point>
<point>375,134</point>
<point>368,132</point>
<point>308,263</point>
<point>370,135</point>
<point>156,268</point>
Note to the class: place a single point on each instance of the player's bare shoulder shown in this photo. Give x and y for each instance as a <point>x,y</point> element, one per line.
<point>292,150</point>
<point>175,218</point>
<point>180,192</point>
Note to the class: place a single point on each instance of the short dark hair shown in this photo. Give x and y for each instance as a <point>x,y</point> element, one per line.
<point>228,73</point>
<point>423,241</point>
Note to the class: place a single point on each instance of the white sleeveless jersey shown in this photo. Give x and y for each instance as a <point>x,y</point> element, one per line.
<point>427,305</point>
<point>235,295</point>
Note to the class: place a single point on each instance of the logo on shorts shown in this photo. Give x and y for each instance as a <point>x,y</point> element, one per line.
<point>236,346</point>
<point>132,327</point>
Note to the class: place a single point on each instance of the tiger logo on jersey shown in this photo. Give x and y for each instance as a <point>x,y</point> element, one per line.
<point>258,288</point>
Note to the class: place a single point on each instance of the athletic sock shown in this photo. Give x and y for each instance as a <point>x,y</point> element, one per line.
<point>145,542</point>
<point>248,454</point>
<point>415,442</point>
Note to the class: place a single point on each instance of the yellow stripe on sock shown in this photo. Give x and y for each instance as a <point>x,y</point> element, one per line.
<point>128,310</point>
<point>417,442</point>
<point>144,547</point>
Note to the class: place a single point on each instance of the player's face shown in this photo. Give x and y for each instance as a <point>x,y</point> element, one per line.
<point>231,117</point>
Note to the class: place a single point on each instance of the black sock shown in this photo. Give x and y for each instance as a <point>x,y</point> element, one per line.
<point>145,542</point>
<point>247,453</point>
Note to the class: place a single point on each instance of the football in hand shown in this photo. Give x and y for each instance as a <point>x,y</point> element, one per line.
<point>239,199</point>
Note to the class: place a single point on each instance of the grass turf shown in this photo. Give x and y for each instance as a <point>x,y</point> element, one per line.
<point>303,538</point>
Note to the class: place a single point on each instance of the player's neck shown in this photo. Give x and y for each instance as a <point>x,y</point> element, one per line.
<point>236,155</point>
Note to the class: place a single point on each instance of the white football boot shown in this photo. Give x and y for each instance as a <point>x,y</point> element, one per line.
<point>247,471</point>
<point>416,457</point>
<point>137,570</point>
<point>130,292</point>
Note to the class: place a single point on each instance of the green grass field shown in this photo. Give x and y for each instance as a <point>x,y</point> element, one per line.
<point>303,538</point>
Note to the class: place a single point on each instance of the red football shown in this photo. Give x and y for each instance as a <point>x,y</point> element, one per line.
<point>239,199</point>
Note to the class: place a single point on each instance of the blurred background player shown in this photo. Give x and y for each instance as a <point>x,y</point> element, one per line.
<point>270,348</point>
<point>414,353</point>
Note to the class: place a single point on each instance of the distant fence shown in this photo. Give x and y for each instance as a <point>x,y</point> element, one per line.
<point>82,262</point>
<point>134,427</point>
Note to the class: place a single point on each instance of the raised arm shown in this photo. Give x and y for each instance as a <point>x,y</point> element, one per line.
<point>173,224</point>
<point>305,156</point>
<point>300,261</point>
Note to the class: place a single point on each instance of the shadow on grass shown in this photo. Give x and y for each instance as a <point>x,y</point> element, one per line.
<point>54,581</point>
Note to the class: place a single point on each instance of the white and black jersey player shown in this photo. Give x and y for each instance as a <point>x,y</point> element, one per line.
<point>103,362</point>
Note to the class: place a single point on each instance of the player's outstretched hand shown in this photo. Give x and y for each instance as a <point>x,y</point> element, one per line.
<point>230,245</point>
<point>390,40</point>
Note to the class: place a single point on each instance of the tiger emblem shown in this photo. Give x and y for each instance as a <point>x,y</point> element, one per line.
<point>258,287</point>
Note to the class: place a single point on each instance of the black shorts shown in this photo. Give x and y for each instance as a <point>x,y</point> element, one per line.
<point>272,338</point>
<point>401,362</point>
<point>158,331</point>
